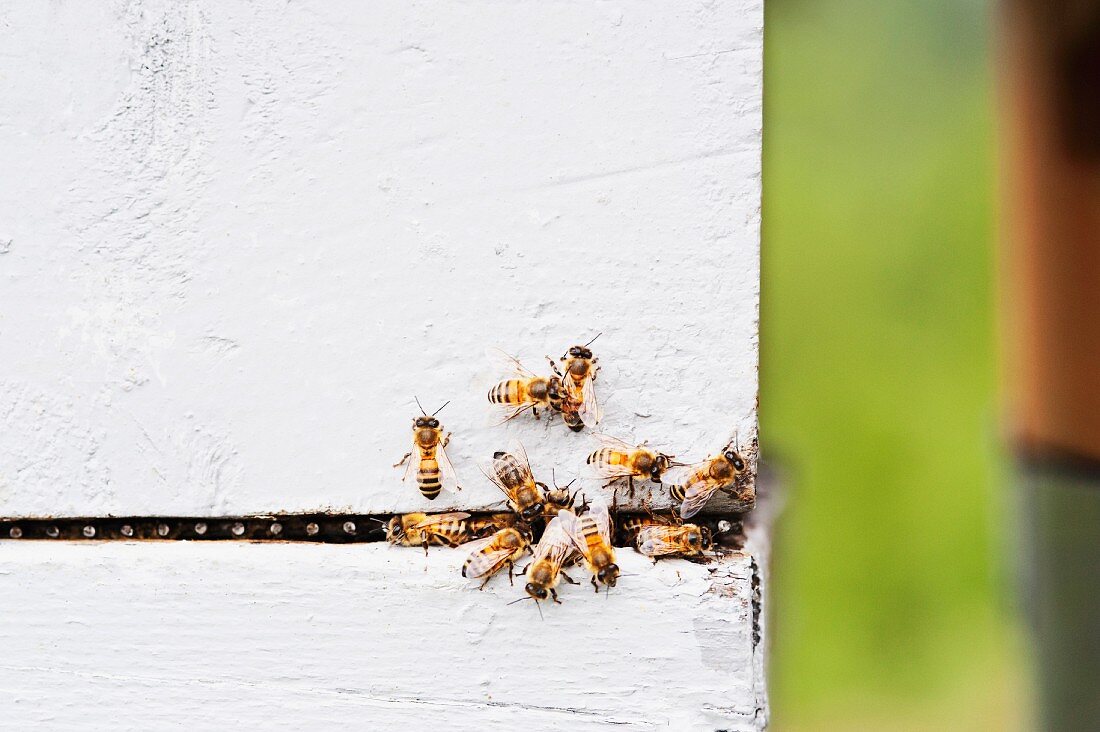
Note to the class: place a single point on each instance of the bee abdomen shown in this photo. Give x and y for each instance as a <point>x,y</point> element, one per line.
<point>427,478</point>
<point>607,456</point>
<point>507,392</point>
<point>677,493</point>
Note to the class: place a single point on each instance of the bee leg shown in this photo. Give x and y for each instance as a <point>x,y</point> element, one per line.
<point>425,545</point>
<point>554,595</point>
<point>554,367</point>
<point>630,484</point>
<point>524,570</point>
<point>535,411</point>
<point>401,462</point>
<point>569,579</point>
<point>511,577</point>
<point>595,586</point>
<point>446,440</point>
<point>485,582</point>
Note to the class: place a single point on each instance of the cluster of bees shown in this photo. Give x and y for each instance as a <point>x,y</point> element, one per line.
<point>571,532</point>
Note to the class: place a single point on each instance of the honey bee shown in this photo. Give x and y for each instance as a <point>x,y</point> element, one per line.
<point>558,499</point>
<point>490,555</point>
<point>433,468</point>
<point>718,473</point>
<point>579,408</point>
<point>424,529</point>
<point>511,472</point>
<point>685,540</point>
<point>554,549</point>
<point>617,461</point>
<point>591,532</point>
<point>527,391</point>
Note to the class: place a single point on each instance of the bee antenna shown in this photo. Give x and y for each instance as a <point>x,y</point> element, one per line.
<point>586,345</point>
<point>513,602</point>
<point>417,400</point>
<point>381,521</point>
<point>440,409</point>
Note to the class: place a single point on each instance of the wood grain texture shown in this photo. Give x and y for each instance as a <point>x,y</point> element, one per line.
<point>236,239</point>
<point>200,636</point>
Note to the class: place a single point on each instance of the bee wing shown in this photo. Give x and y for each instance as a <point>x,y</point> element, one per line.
<point>654,541</point>
<point>447,476</point>
<point>439,518</point>
<point>515,447</point>
<point>508,362</point>
<point>480,562</point>
<point>589,410</point>
<point>602,516</point>
<point>697,491</point>
<point>557,541</point>
<point>614,443</point>
<point>413,462</point>
<point>488,467</point>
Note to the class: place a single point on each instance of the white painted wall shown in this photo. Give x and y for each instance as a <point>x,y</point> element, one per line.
<point>204,636</point>
<point>237,238</point>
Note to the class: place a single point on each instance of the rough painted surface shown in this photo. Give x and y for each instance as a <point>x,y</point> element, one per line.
<point>235,239</point>
<point>290,636</point>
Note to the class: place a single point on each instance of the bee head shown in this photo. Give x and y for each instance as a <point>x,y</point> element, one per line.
<point>431,422</point>
<point>609,575</point>
<point>734,460</point>
<point>706,541</point>
<point>394,530</point>
<point>532,511</point>
<point>576,351</point>
<point>535,591</point>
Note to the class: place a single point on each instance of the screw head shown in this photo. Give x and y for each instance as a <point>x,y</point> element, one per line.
<point>312,528</point>
<point>163,529</point>
<point>126,530</point>
<point>15,532</point>
<point>237,529</point>
<point>200,528</point>
<point>53,532</point>
<point>88,531</point>
<point>276,529</point>
<point>349,527</point>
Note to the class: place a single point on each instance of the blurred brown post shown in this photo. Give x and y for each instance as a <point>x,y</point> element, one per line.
<point>1050,74</point>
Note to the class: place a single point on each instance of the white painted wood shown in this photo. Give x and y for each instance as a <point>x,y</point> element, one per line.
<point>237,238</point>
<point>284,636</point>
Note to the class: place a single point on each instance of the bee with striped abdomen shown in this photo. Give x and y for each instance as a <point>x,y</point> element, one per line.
<point>718,473</point>
<point>578,375</point>
<point>618,461</point>
<point>429,456</point>
<point>526,391</point>
<point>490,555</point>
<point>591,532</point>
<point>511,472</point>
<point>663,540</point>
<point>554,549</point>
<point>424,529</point>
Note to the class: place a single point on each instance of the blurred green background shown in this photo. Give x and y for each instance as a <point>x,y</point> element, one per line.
<point>892,594</point>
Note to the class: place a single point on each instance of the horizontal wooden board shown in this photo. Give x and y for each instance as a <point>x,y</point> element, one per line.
<point>237,239</point>
<point>185,634</point>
